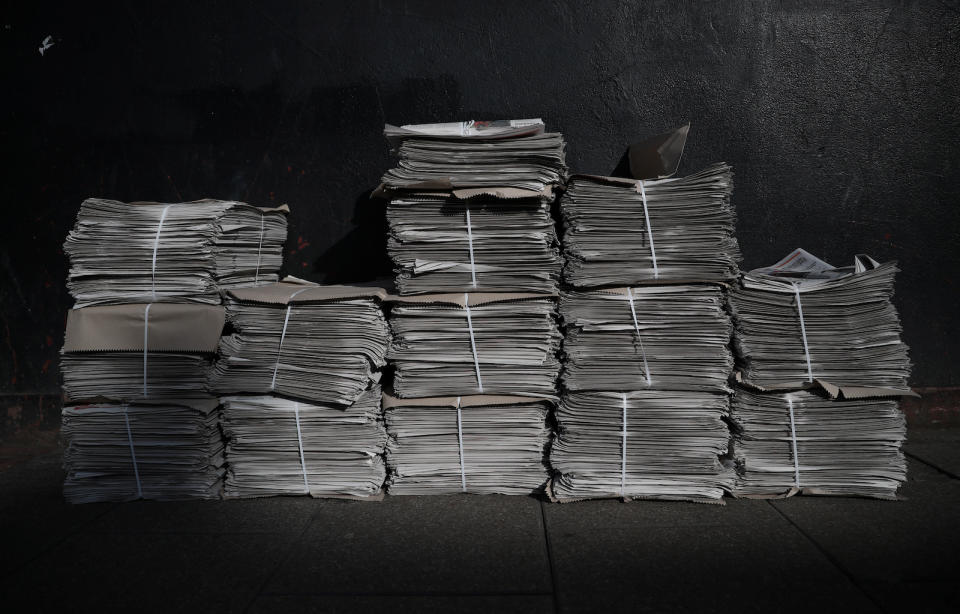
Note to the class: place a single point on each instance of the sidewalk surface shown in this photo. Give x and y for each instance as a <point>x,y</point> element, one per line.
<point>487,553</point>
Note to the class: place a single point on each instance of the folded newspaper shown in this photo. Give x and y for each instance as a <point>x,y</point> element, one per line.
<point>473,444</point>
<point>647,444</point>
<point>476,154</point>
<point>324,344</point>
<point>443,243</point>
<point>474,343</point>
<point>648,337</point>
<point>171,252</point>
<point>803,323</point>
<point>153,352</point>
<point>278,446</point>
<point>802,442</point>
<point>625,232</point>
<point>161,451</point>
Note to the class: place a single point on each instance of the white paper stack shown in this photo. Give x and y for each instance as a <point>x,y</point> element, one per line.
<point>474,444</point>
<point>647,444</point>
<point>624,232</point>
<point>279,446</point>
<point>476,154</point>
<point>176,252</point>
<point>478,343</point>
<point>649,337</point>
<point>786,443</point>
<point>323,344</point>
<point>804,323</point>
<point>500,241</point>
<point>123,452</point>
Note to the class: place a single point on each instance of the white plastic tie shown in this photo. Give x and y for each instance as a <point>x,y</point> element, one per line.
<point>133,454</point>
<point>636,327</point>
<point>303,461</point>
<point>793,443</point>
<point>283,334</point>
<point>463,469</point>
<point>623,448</point>
<point>803,331</point>
<point>256,276</point>
<point>473,341</point>
<point>473,266</point>
<point>646,217</point>
<point>156,245</point>
<point>146,339</point>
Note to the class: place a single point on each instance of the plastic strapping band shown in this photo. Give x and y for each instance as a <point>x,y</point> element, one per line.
<point>646,217</point>
<point>303,461</point>
<point>623,457</point>
<point>463,469</point>
<point>133,454</point>
<point>283,334</point>
<point>636,326</point>
<point>146,337</point>
<point>473,341</point>
<point>256,276</point>
<point>473,266</point>
<point>156,245</point>
<point>803,331</point>
<point>793,442</point>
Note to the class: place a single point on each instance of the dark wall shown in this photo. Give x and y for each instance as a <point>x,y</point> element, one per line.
<point>840,118</point>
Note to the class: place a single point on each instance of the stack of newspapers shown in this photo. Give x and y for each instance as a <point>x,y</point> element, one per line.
<point>474,444</point>
<point>820,366</point>
<point>171,252</point>
<point>311,355</point>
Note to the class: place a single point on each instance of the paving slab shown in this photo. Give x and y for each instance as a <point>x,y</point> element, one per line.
<point>399,604</point>
<point>937,447</point>
<point>447,544</point>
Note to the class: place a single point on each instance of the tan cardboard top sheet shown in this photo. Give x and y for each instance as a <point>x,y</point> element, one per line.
<point>445,190</point>
<point>834,391</point>
<point>297,291</point>
<point>170,327</point>
<point>474,400</point>
<point>475,298</point>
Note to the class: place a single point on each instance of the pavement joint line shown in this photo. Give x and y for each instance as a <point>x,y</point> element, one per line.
<point>553,571</point>
<point>410,594</point>
<point>919,459</point>
<point>830,558</point>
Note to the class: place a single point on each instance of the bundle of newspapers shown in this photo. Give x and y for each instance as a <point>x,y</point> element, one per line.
<point>803,322</point>
<point>474,444</point>
<point>476,154</point>
<point>323,344</point>
<point>786,443</point>
<point>625,232</point>
<point>476,343</point>
<point>176,252</point>
<point>279,446</point>
<point>648,337</point>
<point>120,452</point>
<point>440,242</point>
<point>648,444</point>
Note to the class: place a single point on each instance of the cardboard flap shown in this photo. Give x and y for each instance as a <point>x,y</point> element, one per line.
<point>171,327</point>
<point>617,181</point>
<point>474,400</point>
<point>475,298</point>
<point>658,156</point>
<point>294,290</point>
<point>832,390</point>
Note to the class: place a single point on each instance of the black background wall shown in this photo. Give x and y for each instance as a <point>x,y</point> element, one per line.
<point>841,120</point>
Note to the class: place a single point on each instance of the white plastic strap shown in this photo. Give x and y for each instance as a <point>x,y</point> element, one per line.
<point>646,217</point>
<point>803,331</point>
<point>473,341</point>
<point>636,326</point>
<point>793,442</point>
<point>463,469</point>
<point>283,334</point>
<point>156,245</point>
<point>133,454</point>
<point>146,338</point>
<point>256,276</point>
<point>303,461</point>
<point>623,446</point>
<point>473,266</point>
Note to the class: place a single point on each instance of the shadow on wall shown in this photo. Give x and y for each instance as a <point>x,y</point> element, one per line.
<point>361,255</point>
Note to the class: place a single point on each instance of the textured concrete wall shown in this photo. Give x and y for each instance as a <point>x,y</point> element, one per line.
<point>840,118</point>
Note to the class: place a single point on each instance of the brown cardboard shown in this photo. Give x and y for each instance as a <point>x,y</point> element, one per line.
<point>473,400</point>
<point>447,191</point>
<point>834,391</point>
<point>171,327</point>
<point>475,298</point>
<point>298,291</point>
<point>658,156</point>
